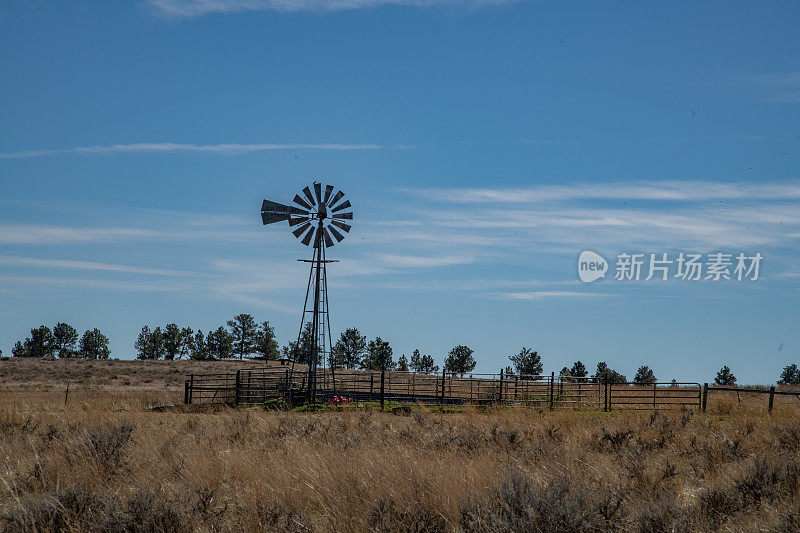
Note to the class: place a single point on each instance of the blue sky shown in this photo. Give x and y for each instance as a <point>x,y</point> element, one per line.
<point>484,145</point>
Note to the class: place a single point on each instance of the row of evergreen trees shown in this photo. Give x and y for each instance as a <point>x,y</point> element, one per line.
<point>243,337</point>
<point>530,363</point>
<point>352,350</point>
<point>63,341</point>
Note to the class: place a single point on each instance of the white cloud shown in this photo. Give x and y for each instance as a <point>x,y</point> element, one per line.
<point>635,216</point>
<point>791,79</point>
<point>98,284</point>
<point>197,8</point>
<point>786,84</point>
<point>539,295</point>
<point>416,261</point>
<point>86,265</point>
<point>225,149</point>
<point>32,234</point>
<point>644,190</point>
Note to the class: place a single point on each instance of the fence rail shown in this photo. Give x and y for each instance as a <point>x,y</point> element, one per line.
<point>257,386</point>
<point>771,392</point>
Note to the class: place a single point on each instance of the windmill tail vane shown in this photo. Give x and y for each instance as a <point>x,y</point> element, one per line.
<point>317,217</point>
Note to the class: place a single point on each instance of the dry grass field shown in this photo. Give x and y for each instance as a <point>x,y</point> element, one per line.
<point>107,461</point>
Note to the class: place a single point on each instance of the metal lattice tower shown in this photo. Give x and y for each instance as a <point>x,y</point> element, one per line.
<point>318,217</point>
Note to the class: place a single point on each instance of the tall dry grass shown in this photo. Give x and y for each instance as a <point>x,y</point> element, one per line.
<point>106,461</point>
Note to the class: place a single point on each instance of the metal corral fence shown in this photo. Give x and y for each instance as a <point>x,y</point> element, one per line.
<point>257,386</point>
<point>768,393</point>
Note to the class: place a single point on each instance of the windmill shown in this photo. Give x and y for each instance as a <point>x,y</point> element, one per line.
<point>318,216</point>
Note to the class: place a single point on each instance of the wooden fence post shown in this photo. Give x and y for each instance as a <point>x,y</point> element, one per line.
<point>501,385</point>
<point>704,401</point>
<point>552,384</point>
<point>185,392</point>
<point>191,388</point>
<point>238,385</point>
<point>771,397</point>
<point>383,377</point>
<point>443,385</point>
<point>654,396</point>
<point>371,383</point>
<point>605,394</point>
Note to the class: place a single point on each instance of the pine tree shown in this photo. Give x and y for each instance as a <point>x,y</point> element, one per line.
<point>41,343</point>
<point>578,370</point>
<point>423,363</point>
<point>19,350</point>
<point>172,341</point>
<point>65,339</point>
<point>266,346</point>
<point>644,376</point>
<point>790,375</point>
<point>244,329</point>
<point>725,377</point>
<point>94,345</point>
<point>219,343</point>
<point>607,375</point>
<point>349,349</point>
<point>142,345</point>
<point>157,343</point>
<point>460,360</point>
<point>187,337</point>
<point>379,356</point>
<point>199,350</point>
<point>402,364</point>
<point>303,354</point>
<point>527,362</point>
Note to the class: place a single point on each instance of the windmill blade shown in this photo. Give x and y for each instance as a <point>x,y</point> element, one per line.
<point>318,192</point>
<point>299,231</point>
<point>328,240</point>
<point>341,225</point>
<point>296,221</point>
<point>307,192</point>
<point>348,216</point>
<point>297,211</point>
<point>269,218</point>
<point>268,205</point>
<point>336,234</point>
<point>273,212</point>
<point>336,198</point>
<point>344,205</point>
<point>309,235</point>
<point>328,191</point>
<point>299,201</point>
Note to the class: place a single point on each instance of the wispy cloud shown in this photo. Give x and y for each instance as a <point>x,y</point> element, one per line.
<point>416,261</point>
<point>540,295</point>
<point>645,190</point>
<point>669,215</point>
<point>197,8</point>
<point>784,87</point>
<point>98,284</point>
<point>10,260</point>
<point>224,149</point>
<point>33,234</point>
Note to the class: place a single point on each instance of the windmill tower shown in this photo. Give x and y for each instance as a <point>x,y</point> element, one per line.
<point>318,216</point>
